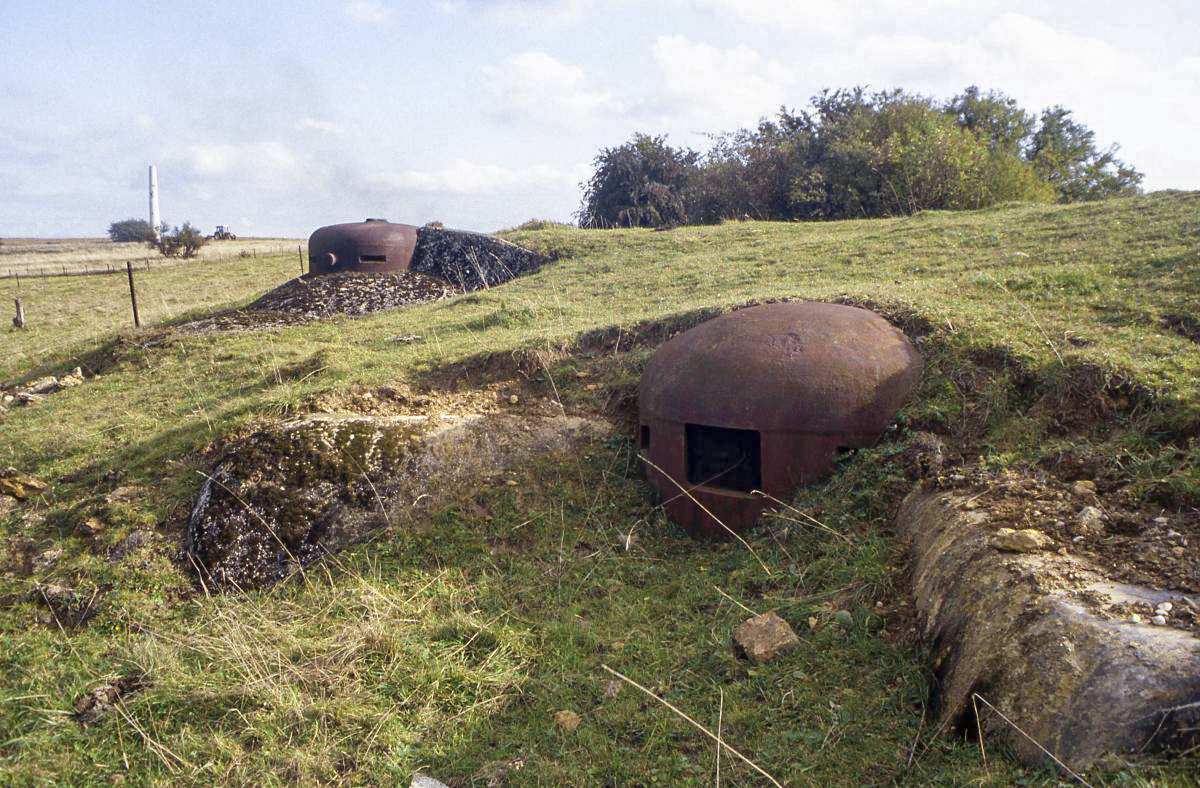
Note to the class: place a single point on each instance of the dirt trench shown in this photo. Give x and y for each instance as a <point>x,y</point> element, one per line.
<point>283,494</point>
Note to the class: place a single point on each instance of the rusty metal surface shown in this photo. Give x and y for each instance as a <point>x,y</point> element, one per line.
<point>804,367</point>
<point>810,378</point>
<point>369,246</point>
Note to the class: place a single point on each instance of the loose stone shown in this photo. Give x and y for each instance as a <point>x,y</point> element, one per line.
<point>765,637</point>
<point>1027,540</point>
<point>1090,520</point>
<point>1083,488</point>
<point>567,720</point>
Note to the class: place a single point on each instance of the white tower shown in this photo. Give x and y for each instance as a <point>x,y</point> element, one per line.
<point>154,220</point>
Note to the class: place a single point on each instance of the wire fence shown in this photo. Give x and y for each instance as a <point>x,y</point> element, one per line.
<point>118,267</point>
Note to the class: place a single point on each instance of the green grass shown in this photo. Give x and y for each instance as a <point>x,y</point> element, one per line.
<point>451,647</point>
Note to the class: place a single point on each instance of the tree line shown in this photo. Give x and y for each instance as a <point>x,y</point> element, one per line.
<point>855,154</point>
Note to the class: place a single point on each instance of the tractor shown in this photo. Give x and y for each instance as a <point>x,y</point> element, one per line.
<point>223,233</point>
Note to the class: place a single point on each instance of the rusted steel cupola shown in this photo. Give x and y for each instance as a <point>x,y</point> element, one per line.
<point>764,398</point>
<point>368,246</point>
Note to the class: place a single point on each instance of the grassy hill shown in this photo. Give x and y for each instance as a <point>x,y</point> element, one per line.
<point>1058,338</point>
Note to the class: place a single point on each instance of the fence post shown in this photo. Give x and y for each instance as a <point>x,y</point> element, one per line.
<point>19,320</point>
<point>300,251</point>
<point>137,320</point>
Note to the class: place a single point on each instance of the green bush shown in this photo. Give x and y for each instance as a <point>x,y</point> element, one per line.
<point>181,242</point>
<point>643,183</point>
<point>131,230</point>
<point>856,155</point>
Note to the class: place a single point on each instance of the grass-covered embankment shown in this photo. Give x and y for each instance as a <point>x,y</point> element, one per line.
<point>454,645</point>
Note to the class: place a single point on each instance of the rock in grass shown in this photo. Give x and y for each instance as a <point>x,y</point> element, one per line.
<point>764,638</point>
<point>425,781</point>
<point>567,720</point>
<point>1026,540</point>
<point>46,385</point>
<point>19,485</point>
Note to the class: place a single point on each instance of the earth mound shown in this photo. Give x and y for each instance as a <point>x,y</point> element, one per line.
<point>445,262</point>
<point>309,298</point>
<point>286,493</point>
<point>351,293</point>
<point>471,261</point>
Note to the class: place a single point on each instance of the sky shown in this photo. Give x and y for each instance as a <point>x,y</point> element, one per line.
<point>279,117</point>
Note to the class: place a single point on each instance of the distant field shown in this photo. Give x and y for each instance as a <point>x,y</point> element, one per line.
<point>64,310</point>
<point>58,256</point>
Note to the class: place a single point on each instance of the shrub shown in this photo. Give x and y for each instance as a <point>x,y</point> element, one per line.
<point>643,183</point>
<point>181,242</point>
<point>1064,154</point>
<point>854,154</point>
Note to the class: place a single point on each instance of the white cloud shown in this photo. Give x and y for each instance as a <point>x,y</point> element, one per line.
<point>466,177</point>
<point>1041,65</point>
<point>536,85</point>
<point>320,126</point>
<point>266,164</point>
<point>367,12</point>
<point>719,88</point>
<point>522,13</point>
<point>1012,52</point>
<point>824,18</point>
<point>816,15</point>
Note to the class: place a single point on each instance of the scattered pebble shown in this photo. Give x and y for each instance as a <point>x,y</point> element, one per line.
<point>1165,607</point>
<point>1159,620</point>
<point>48,559</point>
